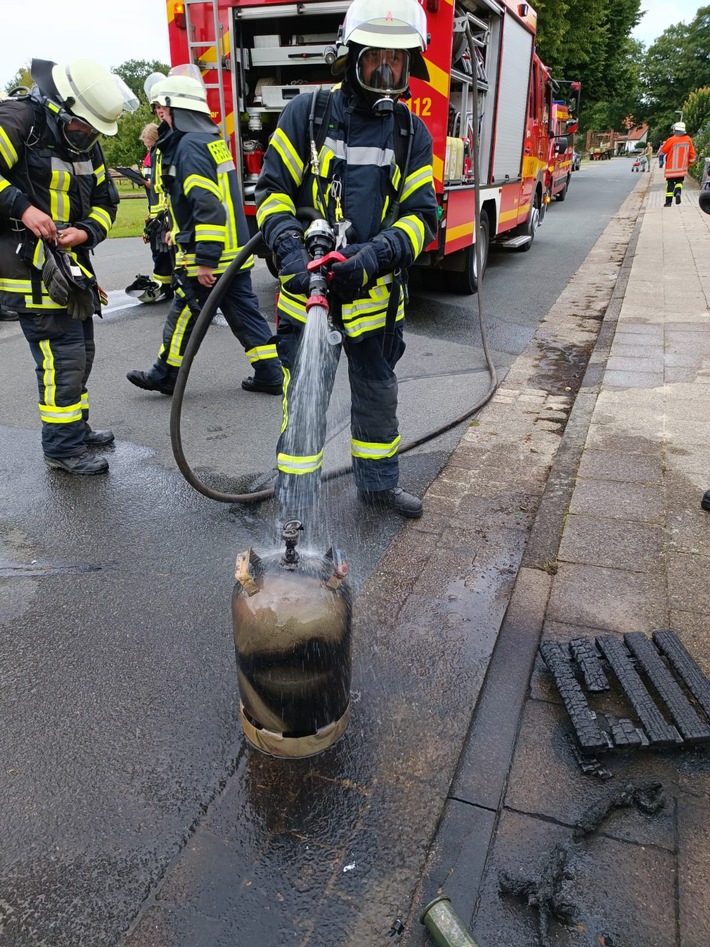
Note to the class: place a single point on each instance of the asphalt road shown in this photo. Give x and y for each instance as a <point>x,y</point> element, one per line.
<point>117,683</point>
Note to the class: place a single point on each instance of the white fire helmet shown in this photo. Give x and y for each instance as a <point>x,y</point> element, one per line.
<point>679,128</point>
<point>379,25</point>
<point>386,24</point>
<point>92,93</point>
<point>182,88</point>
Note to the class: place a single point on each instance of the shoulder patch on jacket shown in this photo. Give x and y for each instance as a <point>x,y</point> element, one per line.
<point>219,151</point>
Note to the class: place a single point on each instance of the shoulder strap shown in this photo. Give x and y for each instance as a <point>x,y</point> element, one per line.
<point>321,108</point>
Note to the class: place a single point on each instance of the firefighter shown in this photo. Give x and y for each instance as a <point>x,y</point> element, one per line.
<point>209,228</point>
<point>154,288</point>
<point>358,186</point>
<point>679,154</point>
<point>57,202</point>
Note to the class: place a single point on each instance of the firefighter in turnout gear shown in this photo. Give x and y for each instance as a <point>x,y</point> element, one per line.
<point>57,202</point>
<point>155,288</point>
<point>679,154</point>
<point>209,229</point>
<point>383,205</point>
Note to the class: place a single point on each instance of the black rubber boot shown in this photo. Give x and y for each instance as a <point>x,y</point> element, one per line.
<point>98,438</point>
<point>252,384</point>
<point>83,465</point>
<point>397,499</point>
<point>150,382</point>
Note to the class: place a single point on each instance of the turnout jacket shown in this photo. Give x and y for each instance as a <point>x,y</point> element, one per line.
<point>680,154</point>
<point>198,173</point>
<point>38,168</point>
<point>359,181</point>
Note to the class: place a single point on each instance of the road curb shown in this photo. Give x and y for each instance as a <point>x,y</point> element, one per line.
<point>458,853</point>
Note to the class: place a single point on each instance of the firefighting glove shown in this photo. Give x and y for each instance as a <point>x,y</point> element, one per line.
<point>81,303</point>
<point>54,276</point>
<point>293,258</point>
<point>350,277</point>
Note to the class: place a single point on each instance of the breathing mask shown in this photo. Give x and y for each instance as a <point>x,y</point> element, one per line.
<point>383,75</point>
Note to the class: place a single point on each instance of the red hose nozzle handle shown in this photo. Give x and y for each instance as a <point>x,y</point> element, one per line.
<point>328,260</point>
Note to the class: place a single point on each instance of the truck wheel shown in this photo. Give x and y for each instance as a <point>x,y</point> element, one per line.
<point>466,281</point>
<point>532,225</point>
<point>545,204</point>
<point>563,193</point>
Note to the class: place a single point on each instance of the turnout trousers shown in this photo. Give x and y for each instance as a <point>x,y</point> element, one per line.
<point>63,350</point>
<point>241,310</point>
<point>674,186</point>
<point>373,417</point>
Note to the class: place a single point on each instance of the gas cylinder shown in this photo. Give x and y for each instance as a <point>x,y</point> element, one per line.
<point>292,619</point>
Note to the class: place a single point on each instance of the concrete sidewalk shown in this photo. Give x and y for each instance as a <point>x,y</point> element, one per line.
<point>619,544</point>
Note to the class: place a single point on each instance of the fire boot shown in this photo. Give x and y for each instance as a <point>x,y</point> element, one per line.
<point>151,381</point>
<point>82,464</point>
<point>397,499</point>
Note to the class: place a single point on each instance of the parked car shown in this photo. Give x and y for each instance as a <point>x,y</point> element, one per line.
<point>576,160</point>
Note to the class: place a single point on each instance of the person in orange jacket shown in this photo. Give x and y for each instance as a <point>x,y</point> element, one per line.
<point>679,155</point>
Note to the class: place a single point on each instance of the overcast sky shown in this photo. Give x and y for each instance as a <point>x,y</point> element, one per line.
<point>137,29</point>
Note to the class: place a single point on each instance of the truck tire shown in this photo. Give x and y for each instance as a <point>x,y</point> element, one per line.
<point>532,225</point>
<point>563,193</point>
<point>466,281</point>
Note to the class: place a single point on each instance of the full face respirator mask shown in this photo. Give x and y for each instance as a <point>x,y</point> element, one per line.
<point>384,75</point>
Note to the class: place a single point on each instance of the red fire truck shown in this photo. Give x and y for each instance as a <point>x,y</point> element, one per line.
<point>559,167</point>
<point>255,55</point>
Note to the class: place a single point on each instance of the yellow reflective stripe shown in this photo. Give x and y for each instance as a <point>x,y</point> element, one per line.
<point>187,260</point>
<point>7,150</point>
<point>59,205</point>
<point>4,184</point>
<point>174,357</point>
<point>49,381</point>
<point>423,176</point>
<point>292,306</point>
<point>197,180</point>
<point>102,218</point>
<point>275,204</point>
<point>290,464</point>
<point>284,399</point>
<point>356,324</point>
<point>100,174</point>
<point>368,450</point>
<point>414,229</point>
<point>85,401</point>
<point>55,414</point>
<point>231,239</point>
<point>288,154</point>
<point>210,232</point>
<point>261,352</point>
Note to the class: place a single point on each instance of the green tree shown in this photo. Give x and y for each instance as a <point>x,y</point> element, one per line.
<point>22,78</point>
<point>676,64</point>
<point>125,149</point>
<point>590,40</point>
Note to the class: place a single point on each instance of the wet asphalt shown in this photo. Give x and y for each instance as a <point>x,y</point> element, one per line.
<point>125,775</point>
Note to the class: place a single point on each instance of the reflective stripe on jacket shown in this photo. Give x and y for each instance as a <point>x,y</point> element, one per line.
<point>199,174</point>
<point>359,180</point>
<point>72,188</point>
<point>680,154</point>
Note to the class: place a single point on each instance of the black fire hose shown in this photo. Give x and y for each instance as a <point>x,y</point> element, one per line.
<point>199,331</point>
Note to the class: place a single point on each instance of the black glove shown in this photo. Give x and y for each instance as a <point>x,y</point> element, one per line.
<point>349,278</point>
<point>293,258</point>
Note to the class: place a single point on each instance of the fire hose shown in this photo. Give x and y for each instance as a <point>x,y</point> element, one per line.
<point>209,309</point>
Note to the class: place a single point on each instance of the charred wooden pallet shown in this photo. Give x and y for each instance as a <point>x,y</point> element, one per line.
<point>656,677</point>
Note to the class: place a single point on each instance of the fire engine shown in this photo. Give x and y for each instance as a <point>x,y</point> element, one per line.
<point>559,167</point>
<point>484,74</point>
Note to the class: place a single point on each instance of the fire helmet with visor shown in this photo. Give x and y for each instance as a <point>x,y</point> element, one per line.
<point>384,46</point>
<point>185,93</point>
<point>90,97</point>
